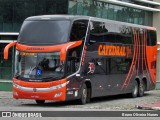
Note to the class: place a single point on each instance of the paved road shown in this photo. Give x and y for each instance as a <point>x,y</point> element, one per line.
<point>118,102</point>
<point>110,103</point>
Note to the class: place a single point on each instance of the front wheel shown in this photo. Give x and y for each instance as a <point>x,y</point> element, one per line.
<point>83,99</point>
<point>40,102</point>
<point>135,90</point>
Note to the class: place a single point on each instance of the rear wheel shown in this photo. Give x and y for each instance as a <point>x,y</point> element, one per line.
<point>40,101</point>
<point>135,90</point>
<point>141,89</point>
<point>83,99</point>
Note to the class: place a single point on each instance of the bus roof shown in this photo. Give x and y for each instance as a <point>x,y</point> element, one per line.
<point>57,17</point>
<point>81,17</point>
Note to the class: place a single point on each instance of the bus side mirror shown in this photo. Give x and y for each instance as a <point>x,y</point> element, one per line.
<point>6,49</point>
<point>67,46</point>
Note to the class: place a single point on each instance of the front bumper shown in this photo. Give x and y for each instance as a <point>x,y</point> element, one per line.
<point>56,90</point>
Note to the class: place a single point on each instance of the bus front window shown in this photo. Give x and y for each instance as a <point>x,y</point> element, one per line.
<point>38,66</point>
<point>44,32</point>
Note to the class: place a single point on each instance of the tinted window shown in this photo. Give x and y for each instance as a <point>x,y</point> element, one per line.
<point>78,30</point>
<point>118,34</point>
<point>124,38</point>
<point>113,65</point>
<point>110,32</point>
<point>97,32</point>
<point>73,60</point>
<point>118,65</point>
<point>152,38</point>
<point>44,32</point>
<point>101,65</point>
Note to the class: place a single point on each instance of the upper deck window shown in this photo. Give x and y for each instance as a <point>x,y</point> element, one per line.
<point>44,32</point>
<point>151,38</point>
<point>79,29</point>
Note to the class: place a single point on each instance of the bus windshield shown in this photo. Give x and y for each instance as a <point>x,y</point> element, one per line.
<point>38,66</point>
<point>44,32</point>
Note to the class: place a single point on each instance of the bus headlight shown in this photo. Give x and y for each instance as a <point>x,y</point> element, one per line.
<point>59,86</point>
<point>15,85</point>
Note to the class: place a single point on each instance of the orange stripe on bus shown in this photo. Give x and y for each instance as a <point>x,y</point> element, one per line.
<point>135,58</point>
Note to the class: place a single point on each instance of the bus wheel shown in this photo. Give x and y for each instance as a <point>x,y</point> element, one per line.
<point>141,89</point>
<point>135,90</point>
<point>83,99</point>
<point>40,101</point>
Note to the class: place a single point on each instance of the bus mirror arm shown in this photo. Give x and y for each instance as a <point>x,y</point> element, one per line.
<point>6,49</point>
<point>70,45</point>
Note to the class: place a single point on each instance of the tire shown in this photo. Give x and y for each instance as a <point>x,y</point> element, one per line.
<point>40,102</point>
<point>141,89</point>
<point>134,93</point>
<point>84,94</point>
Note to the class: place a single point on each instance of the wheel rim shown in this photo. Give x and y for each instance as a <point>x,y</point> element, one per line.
<point>135,90</point>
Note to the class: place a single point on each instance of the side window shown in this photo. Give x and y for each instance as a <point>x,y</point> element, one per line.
<point>151,38</point>
<point>73,61</point>
<point>97,32</point>
<point>118,34</point>
<point>113,66</point>
<point>110,36</point>
<point>118,65</point>
<point>100,64</point>
<point>79,29</point>
<point>124,35</point>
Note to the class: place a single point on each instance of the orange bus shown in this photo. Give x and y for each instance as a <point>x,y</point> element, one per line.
<point>64,57</point>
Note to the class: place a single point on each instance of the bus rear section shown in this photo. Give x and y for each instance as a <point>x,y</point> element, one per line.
<point>62,58</point>
<point>122,58</point>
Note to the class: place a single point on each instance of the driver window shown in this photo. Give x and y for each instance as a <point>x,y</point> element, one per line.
<point>73,61</point>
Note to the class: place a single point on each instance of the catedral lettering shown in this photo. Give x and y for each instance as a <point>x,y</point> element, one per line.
<point>55,59</point>
<point>110,50</point>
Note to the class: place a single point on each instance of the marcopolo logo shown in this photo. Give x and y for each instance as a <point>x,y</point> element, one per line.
<point>112,50</point>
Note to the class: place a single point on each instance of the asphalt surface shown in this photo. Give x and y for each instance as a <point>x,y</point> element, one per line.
<point>110,103</point>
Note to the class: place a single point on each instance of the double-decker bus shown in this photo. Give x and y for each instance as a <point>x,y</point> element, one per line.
<point>64,57</point>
